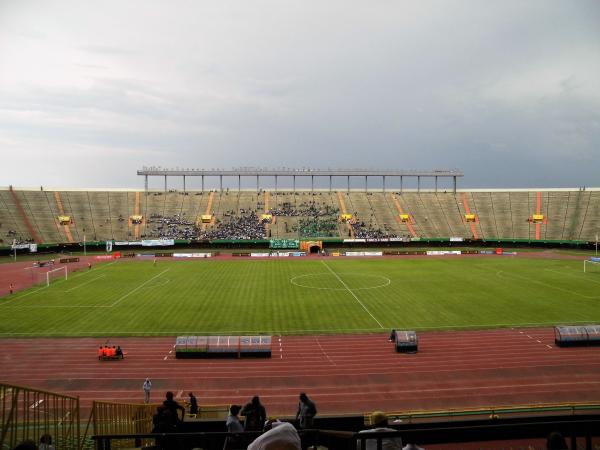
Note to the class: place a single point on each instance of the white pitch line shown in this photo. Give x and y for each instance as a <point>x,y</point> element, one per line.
<point>486,326</point>
<point>137,288</point>
<point>17,297</point>
<point>352,293</point>
<point>87,282</point>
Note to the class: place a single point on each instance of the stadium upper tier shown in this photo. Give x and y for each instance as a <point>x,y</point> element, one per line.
<point>46,216</point>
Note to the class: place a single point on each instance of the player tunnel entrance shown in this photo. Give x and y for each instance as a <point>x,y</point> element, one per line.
<point>313,247</point>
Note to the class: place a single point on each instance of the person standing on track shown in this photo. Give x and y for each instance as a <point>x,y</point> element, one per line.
<point>11,288</point>
<point>147,388</point>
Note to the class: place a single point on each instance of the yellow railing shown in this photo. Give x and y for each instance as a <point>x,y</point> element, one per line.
<point>110,418</point>
<point>29,414</point>
<point>492,412</point>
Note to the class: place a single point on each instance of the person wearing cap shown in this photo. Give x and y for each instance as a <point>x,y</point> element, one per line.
<point>281,436</point>
<point>379,423</point>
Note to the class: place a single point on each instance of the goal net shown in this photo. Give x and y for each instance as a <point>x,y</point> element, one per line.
<point>59,273</point>
<point>591,265</point>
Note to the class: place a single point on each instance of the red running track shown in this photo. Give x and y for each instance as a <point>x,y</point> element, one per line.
<point>343,374</point>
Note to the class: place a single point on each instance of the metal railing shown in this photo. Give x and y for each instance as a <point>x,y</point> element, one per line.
<point>29,414</point>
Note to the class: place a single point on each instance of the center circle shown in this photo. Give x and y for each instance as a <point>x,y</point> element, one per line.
<point>329,282</point>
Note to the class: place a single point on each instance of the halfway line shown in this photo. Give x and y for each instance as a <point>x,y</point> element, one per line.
<point>353,295</point>
<point>139,287</point>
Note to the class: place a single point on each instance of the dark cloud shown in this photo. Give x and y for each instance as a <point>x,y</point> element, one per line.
<point>509,92</point>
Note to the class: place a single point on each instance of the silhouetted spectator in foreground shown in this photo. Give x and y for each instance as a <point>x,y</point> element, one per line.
<point>164,422</point>
<point>412,447</point>
<point>306,413</point>
<point>556,441</point>
<point>46,442</point>
<point>193,404</point>
<point>282,436</point>
<point>379,423</point>
<point>26,445</point>
<point>234,426</point>
<point>255,415</point>
<point>173,406</point>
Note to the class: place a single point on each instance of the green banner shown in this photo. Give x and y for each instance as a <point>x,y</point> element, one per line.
<point>284,243</point>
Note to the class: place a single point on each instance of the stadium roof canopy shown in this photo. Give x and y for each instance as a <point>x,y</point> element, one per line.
<point>293,173</point>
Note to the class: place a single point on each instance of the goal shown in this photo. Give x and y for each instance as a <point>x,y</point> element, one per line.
<point>56,274</point>
<point>591,265</point>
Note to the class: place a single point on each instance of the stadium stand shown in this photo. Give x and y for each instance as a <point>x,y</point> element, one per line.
<point>555,211</point>
<point>32,215</point>
<point>483,206</point>
<point>100,210</point>
<point>521,210</point>
<point>424,225</point>
<point>387,214</point>
<point>591,225</point>
<point>82,215</point>
<point>503,214</point>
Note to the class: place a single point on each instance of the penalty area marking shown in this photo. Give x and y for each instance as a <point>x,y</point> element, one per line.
<point>502,274</point>
<point>116,302</point>
<point>352,293</point>
<point>87,282</point>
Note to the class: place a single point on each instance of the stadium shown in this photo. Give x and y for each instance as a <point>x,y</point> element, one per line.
<point>320,277</point>
<point>299,225</point>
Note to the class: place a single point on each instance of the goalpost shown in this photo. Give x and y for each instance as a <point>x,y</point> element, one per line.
<point>591,265</point>
<point>55,274</point>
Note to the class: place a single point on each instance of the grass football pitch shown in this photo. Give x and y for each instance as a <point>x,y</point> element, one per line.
<point>305,296</point>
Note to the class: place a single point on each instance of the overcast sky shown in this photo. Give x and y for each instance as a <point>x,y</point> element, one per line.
<point>507,91</point>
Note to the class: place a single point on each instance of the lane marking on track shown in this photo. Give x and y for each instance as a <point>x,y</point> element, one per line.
<point>280,348</point>
<point>324,353</point>
<point>137,288</point>
<point>36,404</point>
<point>165,358</point>
<point>352,293</point>
<point>549,346</point>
